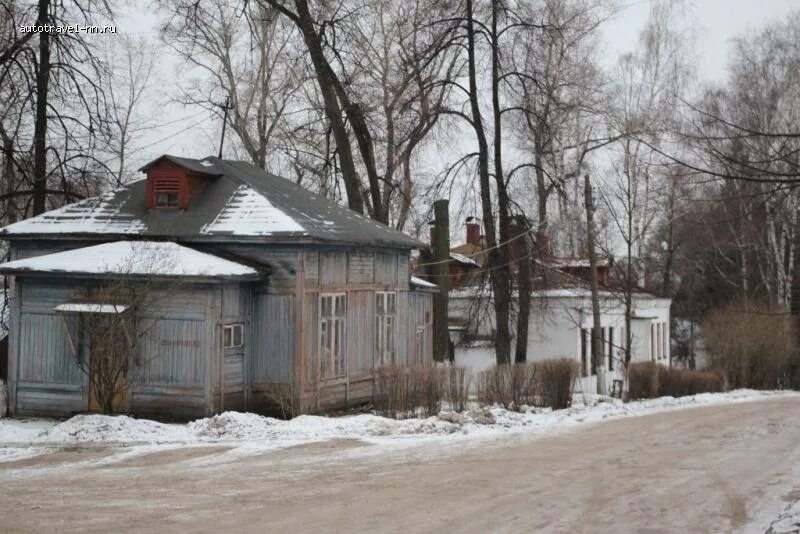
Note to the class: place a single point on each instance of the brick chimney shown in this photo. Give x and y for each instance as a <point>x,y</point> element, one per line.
<point>473,231</point>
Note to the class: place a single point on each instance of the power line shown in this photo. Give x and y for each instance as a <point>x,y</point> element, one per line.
<point>482,251</point>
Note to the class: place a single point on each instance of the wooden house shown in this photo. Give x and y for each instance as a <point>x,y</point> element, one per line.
<point>265,295</point>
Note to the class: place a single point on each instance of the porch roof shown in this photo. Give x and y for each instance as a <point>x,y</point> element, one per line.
<point>90,307</point>
<point>135,259</point>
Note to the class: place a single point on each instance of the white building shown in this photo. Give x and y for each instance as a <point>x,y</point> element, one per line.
<point>561,315</point>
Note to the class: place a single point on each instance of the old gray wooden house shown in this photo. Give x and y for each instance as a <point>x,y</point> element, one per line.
<point>263,293</point>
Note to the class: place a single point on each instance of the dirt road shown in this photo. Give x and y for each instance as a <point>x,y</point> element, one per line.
<point>711,469</point>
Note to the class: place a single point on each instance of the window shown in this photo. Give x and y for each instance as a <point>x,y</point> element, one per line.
<point>595,356</point>
<point>332,322</point>
<point>610,348</point>
<point>665,340</point>
<point>652,341</point>
<point>233,336</point>
<point>166,200</point>
<point>385,312</point>
<point>583,352</point>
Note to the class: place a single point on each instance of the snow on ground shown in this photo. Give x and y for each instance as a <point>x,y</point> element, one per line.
<point>788,522</point>
<point>250,431</point>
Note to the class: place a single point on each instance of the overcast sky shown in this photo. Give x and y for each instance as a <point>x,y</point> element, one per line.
<point>713,23</point>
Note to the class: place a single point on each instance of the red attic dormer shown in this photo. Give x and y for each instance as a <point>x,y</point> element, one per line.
<point>173,182</point>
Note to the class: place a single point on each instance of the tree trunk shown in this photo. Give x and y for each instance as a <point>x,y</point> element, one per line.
<point>524,288</point>
<point>495,259</point>
<point>327,86</point>
<point>502,271</point>
<point>40,125</point>
<point>441,271</point>
<point>597,339</point>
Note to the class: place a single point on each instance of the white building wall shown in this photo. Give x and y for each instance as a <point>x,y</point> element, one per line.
<point>555,332</point>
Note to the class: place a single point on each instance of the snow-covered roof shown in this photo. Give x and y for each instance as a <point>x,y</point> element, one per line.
<point>419,282</point>
<point>103,214</point>
<point>464,259</point>
<point>89,307</point>
<point>135,258</point>
<point>249,213</point>
<point>238,200</point>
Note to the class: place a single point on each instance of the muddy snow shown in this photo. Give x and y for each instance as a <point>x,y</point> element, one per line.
<point>22,437</point>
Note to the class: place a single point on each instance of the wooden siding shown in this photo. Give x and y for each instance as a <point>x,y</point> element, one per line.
<point>419,328</point>
<point>311,266</point>
<point>361,268</point>
<point>360,332</point>
<point>332,269</point>
<point>311,333</point>
<point>272,338</point>
<point>283,259</point>
<point>172,354</point>
<point>386,270</point>
<point>169,375</point>
<point>47,380</point>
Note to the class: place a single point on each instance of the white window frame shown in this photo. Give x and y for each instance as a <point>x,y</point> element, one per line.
<point>385,323</point>
<point>332,336</point>
<point>230,330</point>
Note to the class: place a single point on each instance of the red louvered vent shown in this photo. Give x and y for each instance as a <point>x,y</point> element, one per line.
<point>166,191</point>
<point>171,186</point>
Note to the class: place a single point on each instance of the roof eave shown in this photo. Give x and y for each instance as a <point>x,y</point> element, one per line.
<point>137,277</point>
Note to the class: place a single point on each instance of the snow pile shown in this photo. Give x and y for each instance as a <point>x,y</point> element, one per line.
<point>93,428</point>
<point>232,425</point>
<point>19,431</point>
<point>788,522</point>
<point>266,432</point>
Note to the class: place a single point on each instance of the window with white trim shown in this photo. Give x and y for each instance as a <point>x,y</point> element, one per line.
<point>233,336</point>
<point>332,337</point>
<point>385,314</point>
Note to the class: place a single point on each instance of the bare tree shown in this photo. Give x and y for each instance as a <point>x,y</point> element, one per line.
<point>127,88</point>
<point>245,56</point>
<point>651,84</point>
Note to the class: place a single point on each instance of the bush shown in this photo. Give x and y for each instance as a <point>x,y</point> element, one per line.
<point>408,391</point>
<point>459,379</point>
<point>753,345</point>
<point>510,386</point>
<point>394,395</point>
<point>675,382</point>
<point>546,383</point>
<point>648,380</point>
<point>643,380</point>
<point>556,380</point>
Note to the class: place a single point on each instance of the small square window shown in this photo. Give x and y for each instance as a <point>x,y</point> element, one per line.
<point>166,200</point>
<point>233,336</point>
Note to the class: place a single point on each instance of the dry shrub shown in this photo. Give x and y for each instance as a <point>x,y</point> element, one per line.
<point>429,383</point>
<point>753,345</point>
<point>643,380</point>
<point>556,380</point>
<point>408,391</point>
<point>457,387</point>
<point>510,386</point>
<point>649,380</point>
<point>394,392</point>
<point>675,382</point>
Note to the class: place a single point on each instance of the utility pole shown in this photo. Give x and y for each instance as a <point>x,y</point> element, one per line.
<point>597,339</point>
<point>441,276</point>
<point>225,109</point>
